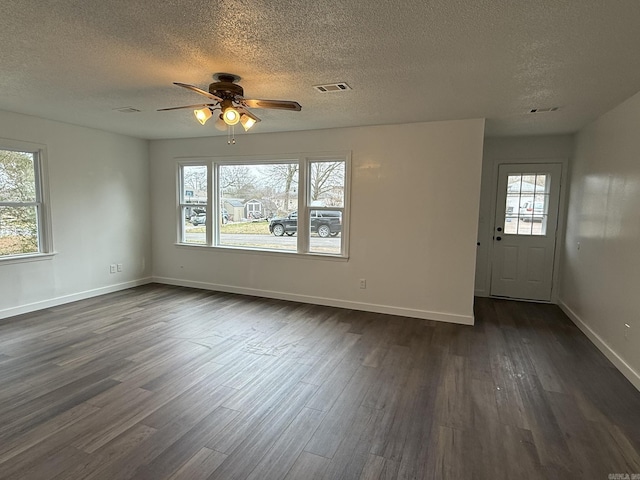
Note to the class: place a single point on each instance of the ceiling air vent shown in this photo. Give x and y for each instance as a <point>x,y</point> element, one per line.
<point>127,110</point>
<point>332,87</point>
<point>543,110</point>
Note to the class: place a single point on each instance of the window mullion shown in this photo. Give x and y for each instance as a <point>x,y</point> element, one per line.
<point>38,178</point>
<point>217,208</point>
<point>180,210</point>
<point>303,205</point>
<point>212,203</point>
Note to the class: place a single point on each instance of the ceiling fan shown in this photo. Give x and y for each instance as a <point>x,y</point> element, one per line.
<point>228,96</point>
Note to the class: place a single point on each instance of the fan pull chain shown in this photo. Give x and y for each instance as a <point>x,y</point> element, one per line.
<point>231,135</point>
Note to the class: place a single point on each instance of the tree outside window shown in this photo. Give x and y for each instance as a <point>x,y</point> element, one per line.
<point>257,203</point>
<point>20,203</point>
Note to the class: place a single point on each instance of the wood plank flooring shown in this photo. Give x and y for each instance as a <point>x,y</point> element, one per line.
<point>162,382</point>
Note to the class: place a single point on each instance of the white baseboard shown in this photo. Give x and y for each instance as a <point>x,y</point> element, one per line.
<point>597,340</point>
<point>53,302</point>
<point>330,302</point>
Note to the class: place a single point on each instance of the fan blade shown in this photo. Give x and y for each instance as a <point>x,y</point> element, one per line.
<point>248,113</point>
<point>280,104</point>
<point>198,90</point>
<point>200,105</point>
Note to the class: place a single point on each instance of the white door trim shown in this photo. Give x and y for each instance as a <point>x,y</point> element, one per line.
<point>523,246</point>
<point>487,240</point>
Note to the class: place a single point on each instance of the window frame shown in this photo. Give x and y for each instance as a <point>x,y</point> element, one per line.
<point>306,224</point>
<point>41,203</point>
<point>303,161</point>
<point>181,204</point>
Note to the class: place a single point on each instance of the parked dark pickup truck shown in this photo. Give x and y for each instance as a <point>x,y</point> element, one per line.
<point>323,222</point>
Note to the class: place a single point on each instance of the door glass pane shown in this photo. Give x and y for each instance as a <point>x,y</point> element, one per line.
<point>511,225</point>
<point>527,204</point>
<point>524,226</point>
<point>542,184</point>
<point>513,202</point>
<point>513,184</point>
<point>528,185</point>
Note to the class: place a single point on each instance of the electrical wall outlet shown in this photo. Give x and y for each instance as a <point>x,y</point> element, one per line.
<point>119,267</point>
<point>363,283</point>
<point>112,268</point>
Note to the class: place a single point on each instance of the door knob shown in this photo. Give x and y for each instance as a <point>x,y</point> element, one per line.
<point>499,229</point>
<point>498,238</point>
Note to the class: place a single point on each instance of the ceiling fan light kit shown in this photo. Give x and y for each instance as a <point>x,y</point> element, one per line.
<point>231,116</point>
<point>247,122</point>
<point>228,96</point>
<point>203,114</point>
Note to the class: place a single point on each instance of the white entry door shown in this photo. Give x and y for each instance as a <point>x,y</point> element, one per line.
<point>524,236</point>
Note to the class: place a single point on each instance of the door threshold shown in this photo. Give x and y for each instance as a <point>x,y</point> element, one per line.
<point>529,300</point>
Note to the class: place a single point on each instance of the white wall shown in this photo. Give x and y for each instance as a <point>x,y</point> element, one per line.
<point>421,264</point>
<point>497,150</point>
<point>99,197</point>
<point>601,278</point>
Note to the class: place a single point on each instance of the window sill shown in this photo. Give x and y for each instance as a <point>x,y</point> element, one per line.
<point>31,257</point>
<point>256,251</point>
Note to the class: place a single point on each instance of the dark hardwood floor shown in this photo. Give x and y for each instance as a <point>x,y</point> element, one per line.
<point>162,382</point>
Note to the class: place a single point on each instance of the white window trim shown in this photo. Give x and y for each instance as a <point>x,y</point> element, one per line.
<point>180,226</point>
<point>45,231</point>
<point>26,257</point>
<point>213,201</point>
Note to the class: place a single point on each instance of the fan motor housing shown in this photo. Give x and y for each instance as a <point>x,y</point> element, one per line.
<point>226,87</point>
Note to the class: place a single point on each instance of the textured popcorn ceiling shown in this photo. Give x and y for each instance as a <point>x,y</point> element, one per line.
<point>406,61</point>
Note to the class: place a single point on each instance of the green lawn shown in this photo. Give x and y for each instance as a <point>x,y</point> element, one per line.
<point>255,228</point>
